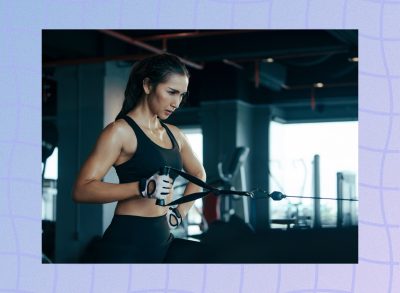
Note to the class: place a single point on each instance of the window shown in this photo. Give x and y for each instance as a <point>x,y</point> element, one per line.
<point>51,171</point>
<point>49,187</point>
<point>292,149</point>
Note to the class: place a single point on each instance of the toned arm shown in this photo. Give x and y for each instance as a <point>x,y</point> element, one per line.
<point>191,165</point>
<point>89,186</point>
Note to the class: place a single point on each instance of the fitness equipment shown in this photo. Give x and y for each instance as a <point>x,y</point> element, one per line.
<point>255,194</point>
<point>346,210</point>
<point>316,183</point>
<point>224,207</point>
<point>274,246</point>
<point>298,221</point>
<point>236,166</point>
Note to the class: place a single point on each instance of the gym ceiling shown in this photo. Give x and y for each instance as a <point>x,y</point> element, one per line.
<point>312,69</point>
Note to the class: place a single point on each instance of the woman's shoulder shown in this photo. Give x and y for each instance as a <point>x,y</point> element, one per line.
<point>178,134</point>
<point>174,129</point>
<point>117,126</point>
<point>118,129</point>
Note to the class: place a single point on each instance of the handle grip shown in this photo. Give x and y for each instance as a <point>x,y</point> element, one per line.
<point>163,171</point>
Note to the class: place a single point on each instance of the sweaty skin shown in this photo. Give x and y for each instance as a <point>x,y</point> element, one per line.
<point>118,143</point>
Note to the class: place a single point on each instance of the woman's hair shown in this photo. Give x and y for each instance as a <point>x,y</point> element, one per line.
<point>157,69</point>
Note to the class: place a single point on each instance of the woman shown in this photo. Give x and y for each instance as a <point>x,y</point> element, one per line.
<point>138,144</point>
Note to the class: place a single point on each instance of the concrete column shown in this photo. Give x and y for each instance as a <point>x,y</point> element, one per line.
<point>80,120</point>
<point>218,122</point>
<point>259,160</point>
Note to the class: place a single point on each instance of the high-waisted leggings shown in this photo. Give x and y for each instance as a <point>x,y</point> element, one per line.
<point>134,239</point>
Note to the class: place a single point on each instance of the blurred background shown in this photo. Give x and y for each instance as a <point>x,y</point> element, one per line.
<point>270,109</point>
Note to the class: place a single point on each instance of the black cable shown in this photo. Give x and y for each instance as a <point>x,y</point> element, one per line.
<point>276,195</point>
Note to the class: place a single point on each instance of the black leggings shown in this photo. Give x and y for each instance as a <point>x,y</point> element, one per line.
<point>134,239</point>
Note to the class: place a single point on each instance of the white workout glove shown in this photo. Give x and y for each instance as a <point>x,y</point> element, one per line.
<point>157,186</point>
<point>174,217</point>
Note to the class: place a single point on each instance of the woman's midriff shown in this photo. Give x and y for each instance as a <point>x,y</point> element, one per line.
<point>142,207</point>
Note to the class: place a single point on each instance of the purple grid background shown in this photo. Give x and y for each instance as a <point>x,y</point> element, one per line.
<point>379,145</point>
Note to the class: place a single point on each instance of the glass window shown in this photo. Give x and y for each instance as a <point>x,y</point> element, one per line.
<point>292,150</point>
<point>51,171</point>
<point>49,187</point>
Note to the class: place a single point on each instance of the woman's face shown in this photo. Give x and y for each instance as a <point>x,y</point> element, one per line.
<point>167,96</point>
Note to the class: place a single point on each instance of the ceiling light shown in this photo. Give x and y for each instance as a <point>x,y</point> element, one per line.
<point>318,84</point>
<point>269,60</point>
<point>353,59</point>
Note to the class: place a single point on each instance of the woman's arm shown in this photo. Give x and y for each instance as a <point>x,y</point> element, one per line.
<point>88,186</point>
<point>192,166</point>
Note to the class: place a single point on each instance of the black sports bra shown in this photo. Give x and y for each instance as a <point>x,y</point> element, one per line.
<point>149,156</point>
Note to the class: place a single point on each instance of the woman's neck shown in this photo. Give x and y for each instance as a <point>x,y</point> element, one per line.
<point>145,118</point>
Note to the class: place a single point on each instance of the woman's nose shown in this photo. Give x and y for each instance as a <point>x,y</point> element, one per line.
<point>175,103</point>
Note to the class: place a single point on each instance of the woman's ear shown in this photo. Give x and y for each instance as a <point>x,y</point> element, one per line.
<point>146,85</point>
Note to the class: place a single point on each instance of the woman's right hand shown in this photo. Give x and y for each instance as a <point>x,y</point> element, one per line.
<point>157,186</point>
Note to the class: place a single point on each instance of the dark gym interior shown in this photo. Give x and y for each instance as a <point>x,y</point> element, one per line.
<point>242,81</point>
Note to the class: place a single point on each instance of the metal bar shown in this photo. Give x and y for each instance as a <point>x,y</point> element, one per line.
<point>91,60</point>
<point>256,74</point>
<point>317,203</point>
<point>329,85</point>
<point>246,211</point>
<point>315,198</point>
<point>194,34</point>
<point>295,53</point>
<point>339,186</point>
<point>234,64</point>
<point>147,47</point>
